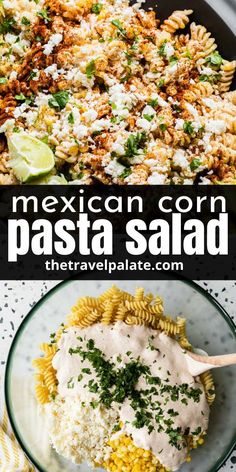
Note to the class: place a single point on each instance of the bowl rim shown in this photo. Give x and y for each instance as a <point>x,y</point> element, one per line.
<point>220,462</point>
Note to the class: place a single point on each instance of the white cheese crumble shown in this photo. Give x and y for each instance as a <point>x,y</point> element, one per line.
<point>169,51</point>
<point>180,159</point>
<point>143,124</point>
<point>156,179</point>
<point>179,124</point>
<point>90,115</point>
<point>55,40</point>
<point>114,168</point>
<point>80,131</point>
<point>216,126</point>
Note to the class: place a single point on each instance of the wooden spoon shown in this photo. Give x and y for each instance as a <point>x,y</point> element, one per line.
<point>198,364</point>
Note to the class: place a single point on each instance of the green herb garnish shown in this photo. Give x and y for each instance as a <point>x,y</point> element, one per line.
<point>215,59</point>
<point>153,103</point>
<point>44,15</point>
<point>188,127</point>
<point>96,8</point>
<point>163,127</point>
<point>90,69</point>
<point>7,25</point>
<point>59,100</point>
<point>71,118</point>
<point>195,163</point>
<point>25,21</point>
<point>119,26</point>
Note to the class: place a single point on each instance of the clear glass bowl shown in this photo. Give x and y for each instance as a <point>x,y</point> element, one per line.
<point>209,328</point>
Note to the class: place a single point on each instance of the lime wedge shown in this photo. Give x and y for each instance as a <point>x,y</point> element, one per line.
<point>51,180</point>
<point>29,157</point>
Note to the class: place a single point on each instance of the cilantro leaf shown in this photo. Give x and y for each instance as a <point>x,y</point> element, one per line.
<point>215,59</point>
<point>71,119</point>
<point>96,8</point>
<point>90,69</point>
<point>25,21</point>
<point>7,25</point>
<point>195,163</point>
<point>44,15</point>
<point>188,127</point>
<point>59,100</point>
<point>125,173</point>
<point>148,117</point>
<point>153,103</point>
<point>119,26</point>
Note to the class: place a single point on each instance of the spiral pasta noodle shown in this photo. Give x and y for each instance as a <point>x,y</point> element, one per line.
<point>178,20</point>
<point>227,73</point>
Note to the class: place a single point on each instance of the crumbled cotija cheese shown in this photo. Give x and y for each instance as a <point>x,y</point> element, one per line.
<point>70,422</point>
<point>53,41</point>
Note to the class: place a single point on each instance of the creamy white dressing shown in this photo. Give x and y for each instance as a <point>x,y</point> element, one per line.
<point>121,344</point>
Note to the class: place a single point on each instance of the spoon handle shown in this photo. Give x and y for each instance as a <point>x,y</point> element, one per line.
<point>215,361</point>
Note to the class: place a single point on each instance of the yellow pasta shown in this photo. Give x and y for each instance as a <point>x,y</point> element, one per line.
<point>208,382</point>
<point>178,20</point>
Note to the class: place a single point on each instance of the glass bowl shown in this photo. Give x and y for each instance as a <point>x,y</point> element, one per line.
<point>209,328</point>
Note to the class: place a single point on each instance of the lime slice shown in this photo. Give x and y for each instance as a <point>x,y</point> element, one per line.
<point>51,180</point>
<point>29,157</point>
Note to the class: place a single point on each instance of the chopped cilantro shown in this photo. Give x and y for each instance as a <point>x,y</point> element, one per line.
<point>148,117</point>
<point>59,100</point>
<point>32,75</point>
<point>129,58</point>
<point>188,127</point>
<point>44,15</point>
<point>25,21</point>
<point>175,436</point>
<point>96,8</point>
<point>80,377</point>
<point>161,83</point>
<point>86,371</point>
<point>7,25</point>
<point>215,59</point>
<point>70,384</point>
<point>195,163</point>
<point>212,79</point>
<point>134,143</point>
<point>153,102</point>
<point>116,428</point>
<point>177,108</point>
<point>71,118</point>
<point>94,404</point>
<point>119,26</point>
<point>173,60</point>
<point>162,49</point>
<point>197,431</point>
<point>90,69</point>
<point>163,127</point>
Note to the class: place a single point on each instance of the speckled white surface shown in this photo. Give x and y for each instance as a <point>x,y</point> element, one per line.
<point>16,299</point>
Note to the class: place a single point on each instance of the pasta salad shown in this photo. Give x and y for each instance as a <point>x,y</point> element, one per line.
<point>116,387</point>
<point>101,90</point>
